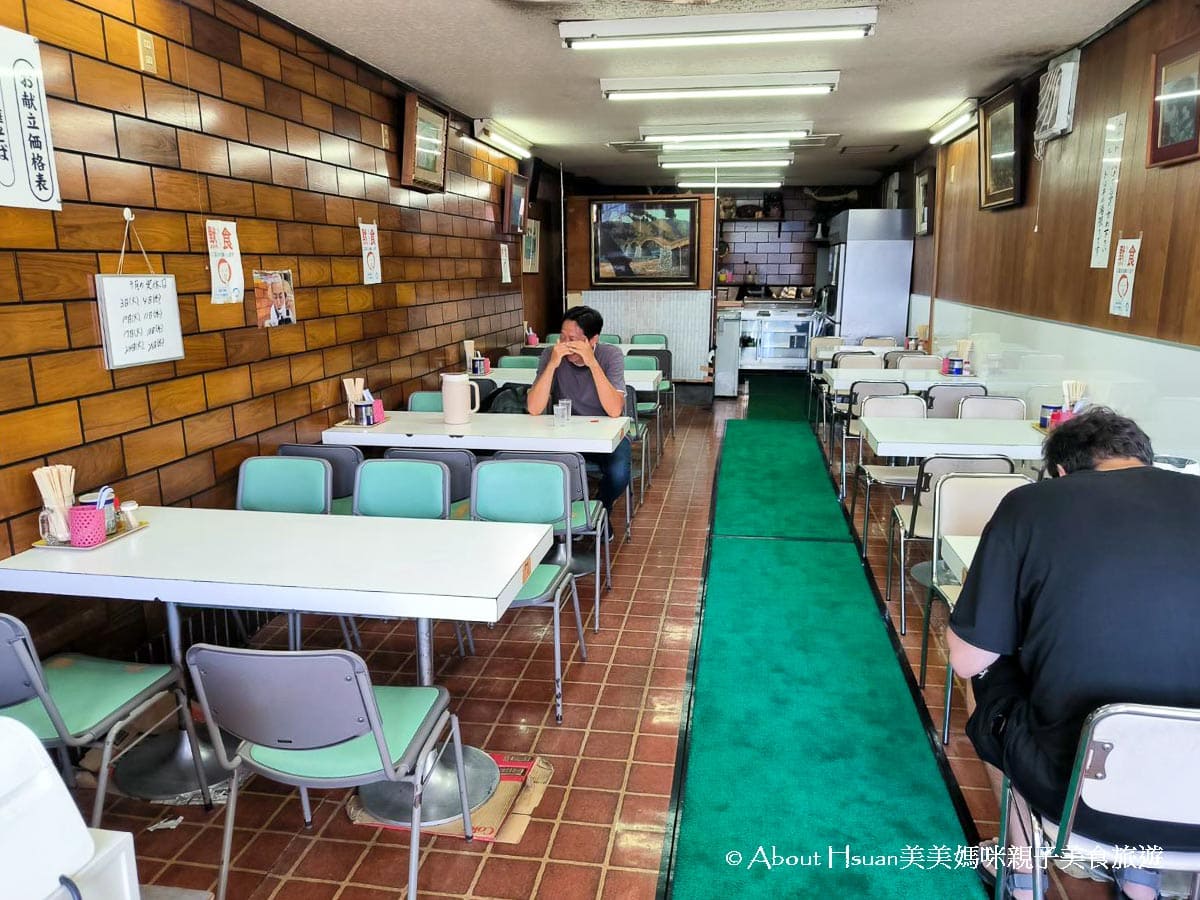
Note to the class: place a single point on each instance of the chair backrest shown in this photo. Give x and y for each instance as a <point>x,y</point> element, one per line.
<point>825,342</point>
<point>287,700</point>
<point>991,408</point>
<point>531,351</point>
<point>934,468</point>
<point>1139,761</point>
<point>403,488</point>
<point>517,362</point>
<point>919,361</point>
<point>285,484</point>
<point>486,386</point>
<point>345,461</point>
<point>892,358</point>
<point>861,390</point>
<point>460,463</point>
<point>846,360</point>
<point>906,406</point>
<point>631,402</point>
<point>523,490</point>
<point>965,501</point>
<point>17,653</point>
<point>639,362</point>
<point>660,355</point>
<point>610,339</point>
<point>575,463</point>
<point>426,401</point>
<point>553,338</point>
<point>659,340</point>
<point>879,342</point>
<point>943,399</point>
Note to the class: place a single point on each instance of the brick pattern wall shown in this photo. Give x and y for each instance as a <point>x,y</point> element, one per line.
<point>776,252</point>
<point>245,119</point>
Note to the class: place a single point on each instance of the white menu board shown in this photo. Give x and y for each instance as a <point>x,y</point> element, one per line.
<point>27,175</point>
<point>139,319</point>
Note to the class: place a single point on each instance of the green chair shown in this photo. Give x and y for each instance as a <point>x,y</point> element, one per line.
<point>291,485</point>
<point>654,340</point>
<point>80,701</point>
<point>648,409</point>
<point>662,358</point>
<point>610,339</point>
<point>553,338</point>
<point>536,492</point>
<point>312,719</point>
<point>425,401</point>
<point>460,462</point>
<point>345,462</point>
<point>638,433</point>
<point>518,362</point>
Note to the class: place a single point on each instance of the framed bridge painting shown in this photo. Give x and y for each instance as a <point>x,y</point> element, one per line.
<point>644,242</point>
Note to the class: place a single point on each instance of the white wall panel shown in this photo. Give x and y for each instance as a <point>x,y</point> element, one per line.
<point>685,317</point>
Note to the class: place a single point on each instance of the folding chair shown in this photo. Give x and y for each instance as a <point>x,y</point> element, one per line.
<point>427,401</point>
<point>907,406</point>
<point>345,462</point>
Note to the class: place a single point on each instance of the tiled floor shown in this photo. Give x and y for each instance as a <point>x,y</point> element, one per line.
<point>599,830</point>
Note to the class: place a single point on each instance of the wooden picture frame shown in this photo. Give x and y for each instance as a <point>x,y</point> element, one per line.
<point>423,151</point>
<point>923,189</point>
<point>531,247</point>
<point>515,207</point>
<point>1174,133</point>
<point>645,242</point>
<point>1001,149</point>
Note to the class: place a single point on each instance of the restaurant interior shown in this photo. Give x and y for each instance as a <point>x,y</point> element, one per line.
<point>298,601</point>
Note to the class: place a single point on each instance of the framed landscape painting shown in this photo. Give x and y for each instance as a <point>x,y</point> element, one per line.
<point>1175,109</point>
<point>924,201</point>
<point>423,152</point>
<point>1001,154</point>
<point>515,207</point>
<point>644,242</point>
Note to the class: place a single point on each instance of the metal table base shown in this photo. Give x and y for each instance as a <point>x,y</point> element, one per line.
<point>391,802</point>
<point>161,767</point>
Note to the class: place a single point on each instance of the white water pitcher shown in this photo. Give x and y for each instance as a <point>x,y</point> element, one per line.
<point>457,400</point>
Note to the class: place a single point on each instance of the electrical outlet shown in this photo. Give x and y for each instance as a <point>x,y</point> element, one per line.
<point>148,57</point>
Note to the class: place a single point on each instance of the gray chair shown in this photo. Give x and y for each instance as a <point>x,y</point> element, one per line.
<point>666,387</point>
<point>903,477</point>
<point>76,701</point>
<point>460,463</point>
<point>345,462</point>
<point>588,517</point>
<point>991,407</point>
<point>914,521</point>
<point>312,719</point>
<point>486,387</point>
<point>891,359</point>
<point>846,416</point>
<point>943,399</point>
<point>638,434</point>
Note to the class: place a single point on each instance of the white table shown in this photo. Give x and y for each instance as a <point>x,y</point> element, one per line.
<point>841,380</point>
<point>1014,438</point>
<point>485,431</point>
<point>345,565</point>
<point>641,379</point>
<point>624,348</point>
<point>958,551</point>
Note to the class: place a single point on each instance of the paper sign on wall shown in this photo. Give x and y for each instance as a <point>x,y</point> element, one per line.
<point>1106,198</point>
<point>224,262</point>
<point>139,319</point>
<point>27,176</point>
<point>505,269</point>
<point>1120,302</point>
<point>369,237</point>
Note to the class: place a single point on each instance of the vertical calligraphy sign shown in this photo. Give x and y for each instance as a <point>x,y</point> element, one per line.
<point>27,176</point>
<point>369,236</point>
<point>1106,197</point>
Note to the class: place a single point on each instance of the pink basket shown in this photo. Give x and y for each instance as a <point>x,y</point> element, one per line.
<point>87,526</point>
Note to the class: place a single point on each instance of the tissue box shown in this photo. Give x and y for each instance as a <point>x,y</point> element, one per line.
<point>378,411</point>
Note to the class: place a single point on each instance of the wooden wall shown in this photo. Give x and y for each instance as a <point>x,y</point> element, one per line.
<point>579,239</point>
<point>997,260</point>
<point>244,119</point>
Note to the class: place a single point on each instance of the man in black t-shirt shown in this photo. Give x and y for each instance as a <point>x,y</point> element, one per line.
<point>1085,590</point>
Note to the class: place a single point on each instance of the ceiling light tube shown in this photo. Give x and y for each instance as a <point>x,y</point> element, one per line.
<point>960,120</point>
<point>710,87</point>
<point>493,134</point>
<point>730,136</point>
<point>768,185</point>
<point>802,90</point>
<point>720,30</point>
<point>726,164</point>
<point>727,145</point>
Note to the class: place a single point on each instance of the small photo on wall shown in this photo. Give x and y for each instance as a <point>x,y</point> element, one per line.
<point>274,298</point>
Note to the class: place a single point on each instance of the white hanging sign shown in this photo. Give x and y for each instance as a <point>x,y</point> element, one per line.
<point>224,262</point>
<point>139,319</point>
<point>1120,301</point>
<point>1106,198</point>
<point>369,237</point>
<point>505,269</point>
<point>27,176</point>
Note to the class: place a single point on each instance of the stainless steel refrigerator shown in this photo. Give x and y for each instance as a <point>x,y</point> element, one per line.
<point>870,267</point>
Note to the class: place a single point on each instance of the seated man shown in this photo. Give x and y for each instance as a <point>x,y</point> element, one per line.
<point>1083,592</point>
<point>593,379</point>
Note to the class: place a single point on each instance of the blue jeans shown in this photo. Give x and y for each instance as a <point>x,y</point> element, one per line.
<point>615,471</point>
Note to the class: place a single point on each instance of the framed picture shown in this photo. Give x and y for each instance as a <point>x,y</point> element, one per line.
<point>516,203</point>
<point>1001,155</point>
<point>531,247</point>
<point>1175,109</point>
<point>923,201</point>
<point>423,152</point>
<point>644,242</point>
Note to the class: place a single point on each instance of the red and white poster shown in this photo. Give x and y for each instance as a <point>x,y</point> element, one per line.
<point>1120,302</point>
<point>224,262</point>
<point>369,236</point>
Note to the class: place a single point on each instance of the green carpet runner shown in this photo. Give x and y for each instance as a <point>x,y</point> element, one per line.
<point>808,772</point>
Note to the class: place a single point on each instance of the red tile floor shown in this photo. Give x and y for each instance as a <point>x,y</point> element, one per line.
<point>599,830</point>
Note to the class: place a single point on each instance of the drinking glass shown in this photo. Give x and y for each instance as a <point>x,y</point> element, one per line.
<point>562,413</point>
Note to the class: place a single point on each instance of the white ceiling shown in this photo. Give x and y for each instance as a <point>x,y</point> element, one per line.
<point>503,59</point>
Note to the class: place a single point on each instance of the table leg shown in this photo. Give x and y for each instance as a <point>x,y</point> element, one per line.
<point>162,767</point>
<point>391,802</point>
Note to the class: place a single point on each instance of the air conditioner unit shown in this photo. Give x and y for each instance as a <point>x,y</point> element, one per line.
<point>1056,97</point>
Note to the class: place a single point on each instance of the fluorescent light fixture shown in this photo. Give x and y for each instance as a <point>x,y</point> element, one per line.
<point>716,87</point>
<point>1009,154</point>
<point>768,185</point>
<point>958,121</point>
<point>503,139</point>
<point>727,164</point>
<point>727,145</point>
<point>1176,95</point>
<point>720,30</point>
<point>742,131</point>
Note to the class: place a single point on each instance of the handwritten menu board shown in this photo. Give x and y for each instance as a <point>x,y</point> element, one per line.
<point>139,319</point>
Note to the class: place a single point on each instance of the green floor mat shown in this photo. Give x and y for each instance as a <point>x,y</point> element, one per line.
<point>804,741</point>
<point>772,483</point>
<point>778,395</point>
